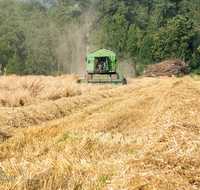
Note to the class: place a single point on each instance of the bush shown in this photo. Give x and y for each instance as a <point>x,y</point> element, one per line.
<point>197,71</point>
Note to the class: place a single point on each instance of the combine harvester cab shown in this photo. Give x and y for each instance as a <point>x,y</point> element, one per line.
<point>102,68</point>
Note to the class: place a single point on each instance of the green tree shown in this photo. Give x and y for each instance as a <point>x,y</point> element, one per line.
<point>133,43</point>
<point>64,12</point>
<point>145,52</point>
<point>160,49</point>
<point>11,38</point>
<point>175,41</point>
<point>15,65</point>
<point>194,15</point>
<point>163,11</point>
<point>40,45</point>
<point>134,40</point>
<point>113,33</point>
<point>50,40</point>
<point>180,37</point>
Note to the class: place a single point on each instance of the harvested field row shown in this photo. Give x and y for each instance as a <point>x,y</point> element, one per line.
<point>51,110</point>
<point>141,136</point>
<point>19,91</point>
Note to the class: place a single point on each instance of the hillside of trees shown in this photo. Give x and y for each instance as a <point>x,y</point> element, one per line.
<point>36,39</point>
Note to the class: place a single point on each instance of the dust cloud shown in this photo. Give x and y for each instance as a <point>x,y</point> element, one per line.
<point>73,49</point>
<point>75,44</point>
<point>76,40</point>
<point>127,70</point>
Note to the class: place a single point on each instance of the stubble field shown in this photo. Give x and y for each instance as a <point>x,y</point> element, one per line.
<point>56,134</point>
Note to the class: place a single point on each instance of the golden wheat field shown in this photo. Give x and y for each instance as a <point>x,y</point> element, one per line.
<point>56,134</point>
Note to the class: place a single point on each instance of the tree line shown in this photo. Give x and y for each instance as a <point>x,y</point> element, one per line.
<point>36,39</point>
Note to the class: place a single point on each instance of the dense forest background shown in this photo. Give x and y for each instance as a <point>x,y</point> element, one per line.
<point>40,38</point>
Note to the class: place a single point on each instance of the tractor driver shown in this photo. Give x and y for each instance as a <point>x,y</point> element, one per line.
<point>104,65</point>
<point>99,64</point>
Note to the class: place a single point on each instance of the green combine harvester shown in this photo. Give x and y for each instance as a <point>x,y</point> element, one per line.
<point>102,68</point>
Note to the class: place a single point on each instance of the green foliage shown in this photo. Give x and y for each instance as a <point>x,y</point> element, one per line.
<point>15,65</point>
<point>40,40</point>
<point>194,13</point>
<point>39,45</point>
<point>163,11</point>
<point>105,178</point>
<point>174,41</point>
<point>131,151</point>
<point>65,136</point>
<point>180,35</point>
<point>197,71</point>
<point>145,52</point>
<point>113,33</point>
<point>11,38</point>
<point>159,48</point>
<point>195,77</point>
<point>134,40</point>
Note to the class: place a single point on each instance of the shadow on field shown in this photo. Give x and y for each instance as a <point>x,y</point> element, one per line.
<point>4,136</point>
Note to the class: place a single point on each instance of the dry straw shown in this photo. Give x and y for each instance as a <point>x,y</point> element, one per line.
<point>140,136</point>
<point>167,68</point>
<point>23,91</point>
